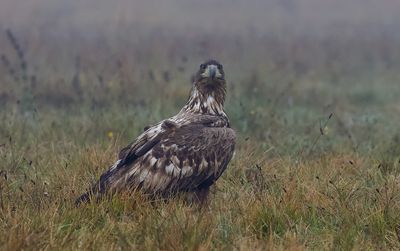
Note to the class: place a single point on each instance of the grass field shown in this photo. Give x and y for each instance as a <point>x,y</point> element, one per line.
<point>316,110</point>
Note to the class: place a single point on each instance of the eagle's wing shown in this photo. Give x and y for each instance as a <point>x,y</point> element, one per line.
<point>154,134</point>
<point>171,156</point>
<point>190,157</point>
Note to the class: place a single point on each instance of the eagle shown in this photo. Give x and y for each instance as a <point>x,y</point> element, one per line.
<point>186,153</point>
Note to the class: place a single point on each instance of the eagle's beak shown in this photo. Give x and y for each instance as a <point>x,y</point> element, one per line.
<point>212,71</point>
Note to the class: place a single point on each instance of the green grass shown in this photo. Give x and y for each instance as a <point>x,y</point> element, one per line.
<point>299,180</point>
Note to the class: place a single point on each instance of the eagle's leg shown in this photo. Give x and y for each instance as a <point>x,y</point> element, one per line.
<point>201,196</point>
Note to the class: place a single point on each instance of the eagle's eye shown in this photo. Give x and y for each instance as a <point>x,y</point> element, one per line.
<point>203,66</point>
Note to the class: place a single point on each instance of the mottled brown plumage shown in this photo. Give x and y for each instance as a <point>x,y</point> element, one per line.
<point>185,153</point>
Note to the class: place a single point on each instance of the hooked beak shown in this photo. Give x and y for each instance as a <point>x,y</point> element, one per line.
<point>212,71</point>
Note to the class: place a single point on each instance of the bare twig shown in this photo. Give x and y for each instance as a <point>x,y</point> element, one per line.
<point>317,138</point>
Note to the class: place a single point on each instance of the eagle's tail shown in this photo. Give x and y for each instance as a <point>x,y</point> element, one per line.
<point>96,191</point>
<point>84,198</point>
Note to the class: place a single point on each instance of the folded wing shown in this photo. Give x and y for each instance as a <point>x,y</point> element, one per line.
<point>170,157</point>
<point>189,158</point>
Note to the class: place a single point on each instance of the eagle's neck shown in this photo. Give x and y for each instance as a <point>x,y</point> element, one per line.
<point>209,102</point>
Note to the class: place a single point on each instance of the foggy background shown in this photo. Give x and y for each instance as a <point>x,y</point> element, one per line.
<point>313,94</point>
<point>122,26</point>
<point>48,28</point>
<point>311,17</point>
<point>288,63</point>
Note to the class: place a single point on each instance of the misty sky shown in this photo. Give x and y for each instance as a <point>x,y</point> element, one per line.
<point>301,16</point>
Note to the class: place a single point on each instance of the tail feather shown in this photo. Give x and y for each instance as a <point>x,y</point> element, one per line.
<point>84,198</point>
<point>93,193</point>
<point>96,191</point>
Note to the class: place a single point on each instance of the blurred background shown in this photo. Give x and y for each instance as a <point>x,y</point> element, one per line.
<point>313,94</point>
<point>94,70</point>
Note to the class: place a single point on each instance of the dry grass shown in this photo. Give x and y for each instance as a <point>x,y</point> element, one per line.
<point>332,201</point>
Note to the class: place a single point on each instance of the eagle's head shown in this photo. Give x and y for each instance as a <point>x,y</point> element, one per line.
<point>209,89</point>
<point>210,76</point>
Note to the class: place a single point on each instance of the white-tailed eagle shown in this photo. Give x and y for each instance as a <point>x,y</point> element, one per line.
<point>185,153</point>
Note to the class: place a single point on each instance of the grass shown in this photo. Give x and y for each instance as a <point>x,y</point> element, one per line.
<point>317,165</point>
